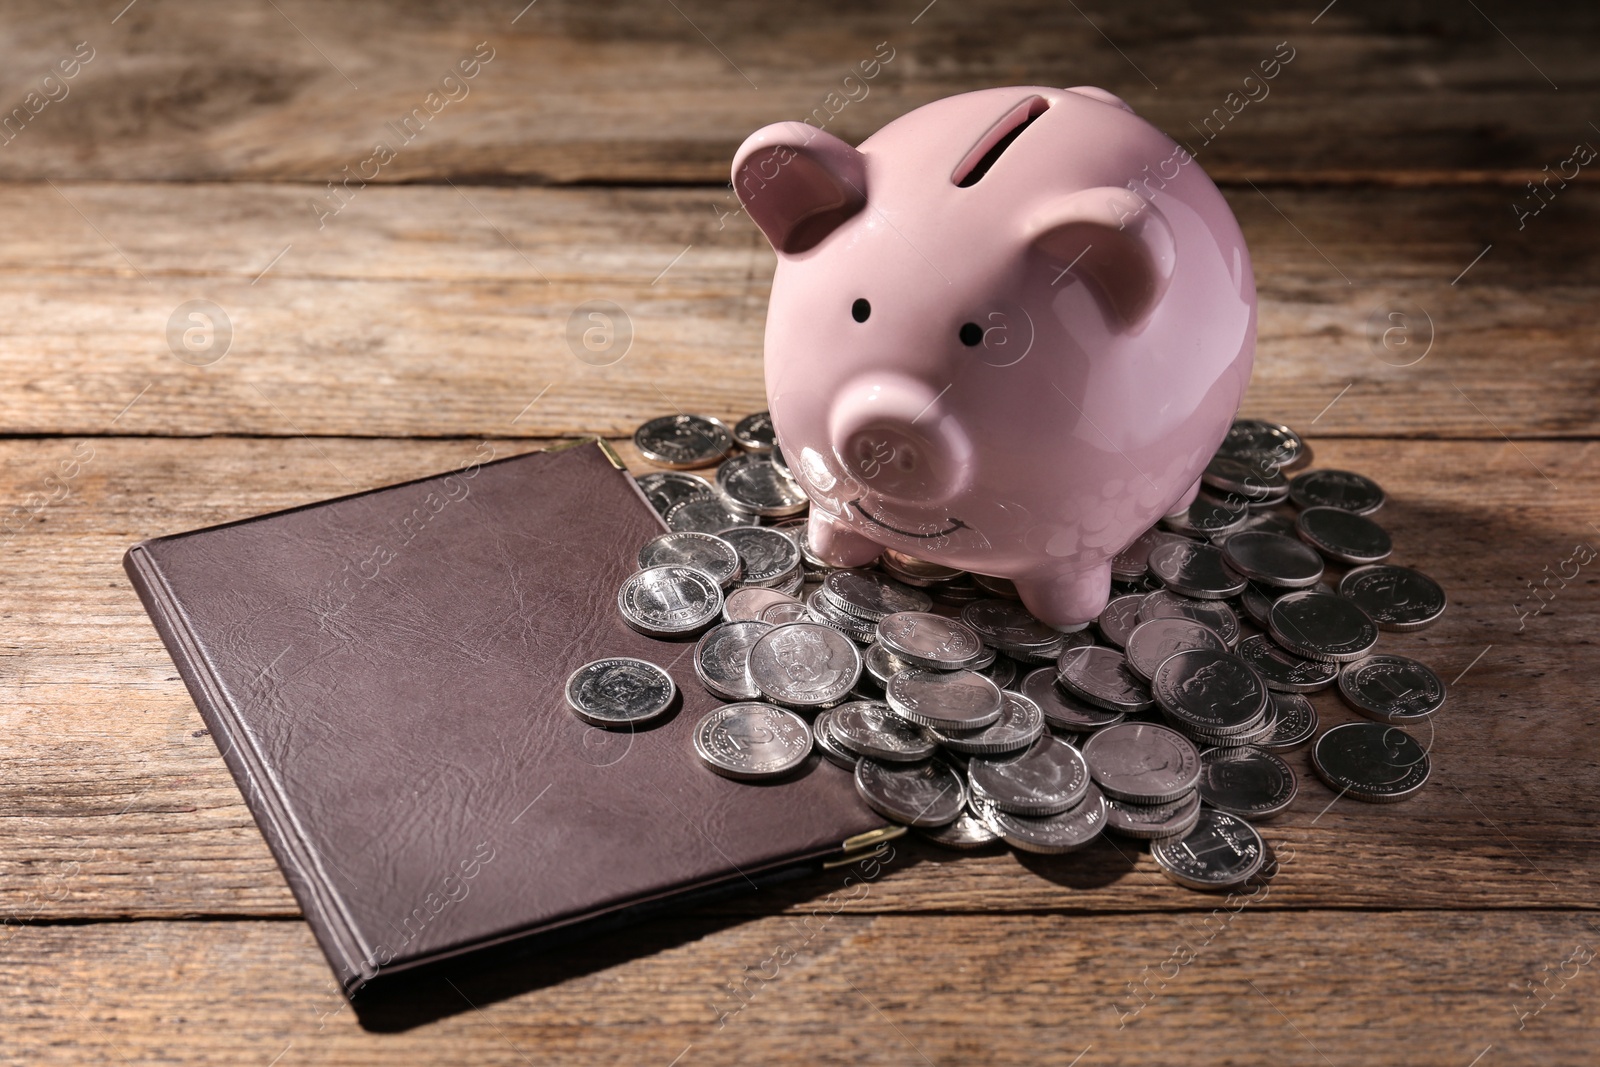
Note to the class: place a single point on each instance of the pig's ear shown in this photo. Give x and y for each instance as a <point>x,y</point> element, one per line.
<point>1094,92</point>
<point>1115,239</point>
<point>798,183</point>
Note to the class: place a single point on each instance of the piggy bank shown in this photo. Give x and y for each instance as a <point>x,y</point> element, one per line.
<point>1006,333</point>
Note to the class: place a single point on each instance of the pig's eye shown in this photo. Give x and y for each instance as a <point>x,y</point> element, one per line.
<point>860,310</point>
<point>971,333</point>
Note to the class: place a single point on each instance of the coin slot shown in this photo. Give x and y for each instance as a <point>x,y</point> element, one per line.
<point>994,143</point>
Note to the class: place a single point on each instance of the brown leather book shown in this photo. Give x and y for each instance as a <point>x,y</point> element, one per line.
<point>385,675</point>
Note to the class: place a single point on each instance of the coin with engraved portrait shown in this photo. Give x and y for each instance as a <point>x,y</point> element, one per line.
<point>1020,724</point>
<point>701,551</point>
<point>1370,761</point>
<point>929,793</point>
<point>1259,442</point>
<point>945,700</point>
<point>869,728</point>
<point>1152,642</point>
<point>923,639</point>
<point>1007,626</point>
<point>1142,762</point>
<point>1343,535</point>
<point>683,441</point>
<point>1061,709</point>
<point>619,691</point>
<point>709,514</point>
<point>1210,691</point>
<point>1397,598</point>
<point>1152,822</point>
<point>1218,616</point>
<point>1284,671</point>
<point>1102,677</point>
<point>1336,489</point>
<point>1197,570</point>
<point>722,659</point>
<point>665,488</point>
<point>1221,851</point>
<point>1319,625</point>
<point>1048,777</point>
<point>755,433</point>
<point>751,741</point>
<point>753,484</point>
<point>670,600</point>
<point>1248,782</point>
<point>748,602</point>
<point>872,596</point>
<point>1391,689</point>
<point>1065,831</point>
<point>804,665</point>
<point>766,556</point>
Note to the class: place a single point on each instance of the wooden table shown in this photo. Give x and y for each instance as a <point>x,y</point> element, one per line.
<point>145,919</point>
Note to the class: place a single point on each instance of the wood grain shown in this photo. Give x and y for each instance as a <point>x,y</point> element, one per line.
<point>1255,987</point>
<point>642,92</point>
<point>116,804</point>
<point>425,311</point>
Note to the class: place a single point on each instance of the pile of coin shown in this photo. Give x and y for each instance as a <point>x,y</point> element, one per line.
<point>963,716</point>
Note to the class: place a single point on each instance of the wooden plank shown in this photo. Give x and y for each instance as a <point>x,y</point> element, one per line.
<point>1243,987</point>
<point>115,803</point>
<point>439,311</point>
<point>644,92</point>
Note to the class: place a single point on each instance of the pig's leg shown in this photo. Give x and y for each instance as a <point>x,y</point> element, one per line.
<point>837,544</point>
<point>1186,499</point>
<point>1067,601</point>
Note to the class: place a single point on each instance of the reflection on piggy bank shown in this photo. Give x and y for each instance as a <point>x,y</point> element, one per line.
<point>1006,334</point>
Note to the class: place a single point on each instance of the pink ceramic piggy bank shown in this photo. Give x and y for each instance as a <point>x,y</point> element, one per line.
<point>1006,334</point>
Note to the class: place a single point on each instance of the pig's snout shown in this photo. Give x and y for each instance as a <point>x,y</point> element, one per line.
<point>897,436</point>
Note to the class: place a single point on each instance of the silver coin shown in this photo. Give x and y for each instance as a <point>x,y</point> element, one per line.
<point>1064,832</point>
<point>804,665</point>
<point>1258,604</point>
<point>1000,587</point>
<point>1164,604</point>
<point>1323,626</point>
<point>687,548</point>
<point>868,728</point>
<point>1207,516</point>
<point>1253,480</point>
<point>1392,689</point>
<point>1397,598</point>
<point>1020,724</point>
<point>1221,851</point>
<point>966,833</point>
<point>1248,782</point>
<point>1007,626</point>
<point>1133,562</point>
<point>711,515</point>
<point>1284,671</point>
<point>1266,522</point>
<point>1292,722</point>
<point>755,433</point>
<point>924,639</point>
<point>665,488</point>
<point>747,603</point>
<point>1343,535</point>
<point>786,611</point>
<point>1196,570</point>
<point>750,741</point>
<point>1001,670</point>
<point>1370,761</point>
<point>945,700</point>
<point>830,614</point>
<point>670,601</point>
<point>754,484</point>
<point>1102,677</point>
<point>1119,618</point>
<point>1215,692</point>
<point>683,441</point>
<point>1047,778</point>
<point>1336,489</point>
<point>917,572</point>
<point>766,555</point>
<point>1142,762</point>
<point>1269,442</point>
<point>1062,710</point>
<point>1153,822</point>
<point>1273,559</point>
<point>872,596</point>
<point>791,586</point>
<point>778,460</point>
<point>882,664</point>
<point>834,752</point>
<point>929,793</point>
<point>1152,642</point>
<point>619,691</point>
<point>722,659</point>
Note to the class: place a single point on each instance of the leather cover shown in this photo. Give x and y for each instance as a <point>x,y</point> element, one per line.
<point>385,675</point>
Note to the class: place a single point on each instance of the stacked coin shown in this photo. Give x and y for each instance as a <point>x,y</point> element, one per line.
<point>962,715</point>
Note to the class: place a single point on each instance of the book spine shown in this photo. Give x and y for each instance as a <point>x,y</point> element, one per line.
<point>295,856</point>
